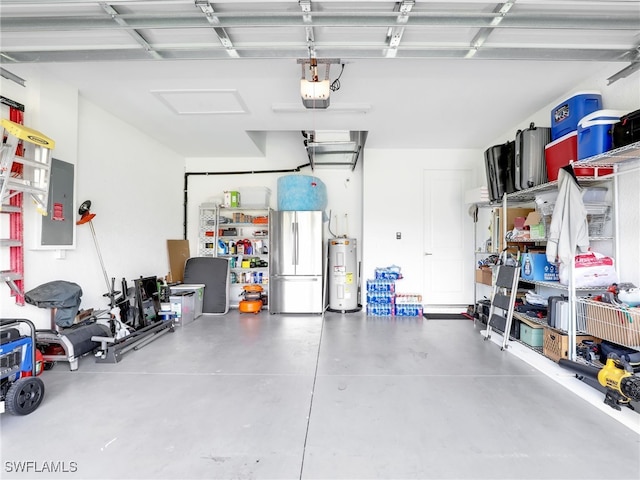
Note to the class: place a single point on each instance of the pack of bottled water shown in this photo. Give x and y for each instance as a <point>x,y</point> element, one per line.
<point>388,273</point>
<point>407,310</point>
<point>380,309</point>
<point>381,285</point>
<point>380,297</point>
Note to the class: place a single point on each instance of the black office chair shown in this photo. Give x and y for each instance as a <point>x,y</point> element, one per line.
<point>213,273</point>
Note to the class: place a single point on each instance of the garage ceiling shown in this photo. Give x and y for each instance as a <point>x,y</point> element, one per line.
<point>211,78</point>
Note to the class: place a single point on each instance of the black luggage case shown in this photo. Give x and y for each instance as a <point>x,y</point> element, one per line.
<point>530,164</point>
<point>627,130</point>
<point>500,170</point>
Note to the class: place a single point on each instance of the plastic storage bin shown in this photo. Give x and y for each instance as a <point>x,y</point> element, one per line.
<point>534,337</point>
<point>183,305</point>
<point>559,153</point>
<point>566,115</point>
<point>595,132</point>
<point>197,288</point>
<point>255,197</point>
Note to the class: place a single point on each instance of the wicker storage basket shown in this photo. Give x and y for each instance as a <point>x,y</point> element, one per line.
<point>612,323</point>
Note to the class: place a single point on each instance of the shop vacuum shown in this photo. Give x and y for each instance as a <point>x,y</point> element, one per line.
<point>343,276</point>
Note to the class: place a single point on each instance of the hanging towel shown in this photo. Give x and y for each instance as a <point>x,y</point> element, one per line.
<point>569,229</point>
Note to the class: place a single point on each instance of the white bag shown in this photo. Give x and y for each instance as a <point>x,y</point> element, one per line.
<point>592,269</point>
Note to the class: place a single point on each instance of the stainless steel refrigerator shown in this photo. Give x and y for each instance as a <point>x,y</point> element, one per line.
<point>296,277</point>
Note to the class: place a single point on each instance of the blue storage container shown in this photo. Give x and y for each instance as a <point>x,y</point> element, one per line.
<point>595,132</point>
<point>566,115</point>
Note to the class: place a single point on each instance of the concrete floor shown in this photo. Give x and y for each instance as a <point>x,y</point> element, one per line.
<point>245,396</point>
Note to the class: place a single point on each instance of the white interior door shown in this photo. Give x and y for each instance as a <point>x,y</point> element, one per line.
<point>448,239</point>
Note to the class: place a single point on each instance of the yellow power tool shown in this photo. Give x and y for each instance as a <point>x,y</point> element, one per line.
<point>622,385</point>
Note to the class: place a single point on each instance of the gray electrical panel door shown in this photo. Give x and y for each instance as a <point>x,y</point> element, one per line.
<point>58,224</point>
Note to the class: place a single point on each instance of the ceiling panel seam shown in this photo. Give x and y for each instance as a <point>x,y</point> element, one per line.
<point>111,11</point>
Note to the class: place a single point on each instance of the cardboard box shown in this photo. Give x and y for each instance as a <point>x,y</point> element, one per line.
<point>484,275</point>
<point>178,251</point>
<point>231,198</point>
<point>555,345</point>
<point>536,268</point>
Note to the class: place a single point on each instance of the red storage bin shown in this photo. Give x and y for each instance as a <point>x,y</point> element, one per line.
<point>592,171</point>
<point>559,153</point>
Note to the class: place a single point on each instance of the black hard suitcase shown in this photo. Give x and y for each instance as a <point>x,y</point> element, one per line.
<point>500,170</point>
<point>530,164</point>
<point>627,130</point>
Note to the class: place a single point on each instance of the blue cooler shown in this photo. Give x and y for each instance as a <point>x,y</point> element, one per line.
<point>595,132</point>
<point>566,115</point>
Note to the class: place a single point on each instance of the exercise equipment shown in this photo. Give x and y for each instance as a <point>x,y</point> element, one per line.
<point>111,349</point>
<point>70,344</point>
<point>112,344</point>
<point>21,391</point>
<point>66,340</point>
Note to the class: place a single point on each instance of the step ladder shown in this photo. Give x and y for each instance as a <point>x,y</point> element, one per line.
<point>36,164</point>
<point>503,301</point>
<point>25,167</point>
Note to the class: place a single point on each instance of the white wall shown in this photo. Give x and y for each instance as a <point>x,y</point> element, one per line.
<point>134,184</point>
<point>393,202</point>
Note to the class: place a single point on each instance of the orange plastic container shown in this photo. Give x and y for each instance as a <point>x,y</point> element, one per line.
<point>250,306</point>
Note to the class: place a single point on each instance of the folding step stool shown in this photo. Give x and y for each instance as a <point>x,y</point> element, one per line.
<point>503,298</point>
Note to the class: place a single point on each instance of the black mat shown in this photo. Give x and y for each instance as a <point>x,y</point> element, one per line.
<point>447,316</point>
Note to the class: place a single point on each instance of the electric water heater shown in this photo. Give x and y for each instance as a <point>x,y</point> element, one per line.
<point>343,275</point>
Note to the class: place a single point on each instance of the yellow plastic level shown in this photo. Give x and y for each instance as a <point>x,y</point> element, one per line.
<point>28,134</point>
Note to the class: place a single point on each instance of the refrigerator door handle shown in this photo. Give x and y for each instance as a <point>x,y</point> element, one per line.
<point>293,238</point>
<point>295,243</point>
<point>293,278</point>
